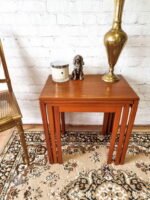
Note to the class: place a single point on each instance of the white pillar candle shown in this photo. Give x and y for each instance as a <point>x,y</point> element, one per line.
<point>60,71</point>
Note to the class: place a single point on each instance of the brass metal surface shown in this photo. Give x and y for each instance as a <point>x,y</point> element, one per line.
<point>114,41</point>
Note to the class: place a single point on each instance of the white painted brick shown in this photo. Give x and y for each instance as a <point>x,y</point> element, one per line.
<point>27,96</point>
<point>92,51</point>
<point>24,30</point>
<point>19,62</point>
<point>141,117</point>
<point>129,61</point>
<point>138,41</point>
<point>8,42</point>
<point>22,42</point>
<point>90,6</point>
<point>19,18</point>
<point>65,53</point>
<point>34,19</point>
<point>136,77</point>
<point>130,18</point>
<point>49,31</point>
<point>76,41</point>
<point>85,30</point>
<point>28,73</point>
<point>107,5</point>
<point>63,19</point>
<point>76,19</point>
<point>96,70</point>
<point>37,32</point>
<point>9,6</point>
<point>28,89</point>
<point>6,18</point>
<point>137,6</point>
<point>105,18</point>
<point>134,5</point>
<point>28,105</point>
<point>30,78</point>
<point>26,52</point>
<point>144,89</point>
<point>34,116</point>
<point>5,31</point>
<point>74,6</point>
<point>32,6</point>
<point>70,19</point>
<point>145,62</point>
<point>56,6</point>
<point>94,63</point>
<point>136,52</point>
<point>145,30</point>
<point>144,18</point>
<point>136,29</point>
<point>89,19</point>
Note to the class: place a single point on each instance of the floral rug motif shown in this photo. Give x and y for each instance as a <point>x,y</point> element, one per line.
<point>106,183</point>
<point>84,175</point>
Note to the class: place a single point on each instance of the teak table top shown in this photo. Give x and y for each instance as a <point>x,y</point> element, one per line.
<point>91,88</point>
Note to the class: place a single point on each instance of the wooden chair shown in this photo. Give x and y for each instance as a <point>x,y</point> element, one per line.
<point>10,114</point>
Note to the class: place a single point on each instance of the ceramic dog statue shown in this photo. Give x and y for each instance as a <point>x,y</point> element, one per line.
<point>77,73</point>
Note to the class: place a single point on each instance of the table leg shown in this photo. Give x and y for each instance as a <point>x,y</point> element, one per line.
<point>107,123</point>
<point>63,122</point>
<point>114,134</point>
<point>46,131</point>
<point>110,123</point>
<point>52,131</point>
<point>129,129</point>
<point>58,134</point>
<point>122,133</point>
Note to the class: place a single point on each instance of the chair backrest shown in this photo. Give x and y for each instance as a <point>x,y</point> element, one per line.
<point>4,65</point>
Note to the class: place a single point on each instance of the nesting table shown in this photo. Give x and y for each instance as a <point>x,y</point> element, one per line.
<point>117,101</point>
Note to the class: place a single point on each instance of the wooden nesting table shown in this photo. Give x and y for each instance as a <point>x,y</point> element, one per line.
<point>117,101</point>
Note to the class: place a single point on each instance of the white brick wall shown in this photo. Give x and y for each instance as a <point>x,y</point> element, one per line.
<point>36,32</point>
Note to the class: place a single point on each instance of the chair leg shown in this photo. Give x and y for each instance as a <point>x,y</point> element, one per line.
<point>23,142</point>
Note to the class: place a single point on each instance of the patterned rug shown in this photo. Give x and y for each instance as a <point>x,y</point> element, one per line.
<point>84,175</point>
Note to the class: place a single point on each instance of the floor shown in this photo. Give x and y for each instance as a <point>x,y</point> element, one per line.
<point>4,136</point>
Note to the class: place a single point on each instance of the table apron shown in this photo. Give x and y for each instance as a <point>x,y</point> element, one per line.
<point>84,108</point>
<point>88,108</point>
<point>89,102</point>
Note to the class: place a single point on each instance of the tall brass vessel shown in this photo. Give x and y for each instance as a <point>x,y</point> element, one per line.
<point>114,41</point>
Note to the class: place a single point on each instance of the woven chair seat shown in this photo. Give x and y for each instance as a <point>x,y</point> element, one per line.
<point>9,109</point>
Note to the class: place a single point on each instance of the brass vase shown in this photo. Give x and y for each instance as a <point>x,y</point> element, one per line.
<point>114,41</point>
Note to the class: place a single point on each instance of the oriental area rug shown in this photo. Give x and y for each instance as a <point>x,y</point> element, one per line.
<point>84,175</point>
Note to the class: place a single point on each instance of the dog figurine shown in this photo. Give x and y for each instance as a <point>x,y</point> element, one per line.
<point>77,73</point>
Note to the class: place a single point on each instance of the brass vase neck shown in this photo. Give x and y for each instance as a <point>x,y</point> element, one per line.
<point>119,4</point>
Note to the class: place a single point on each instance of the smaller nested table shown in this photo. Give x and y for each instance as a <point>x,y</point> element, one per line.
<point>117,101</point>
